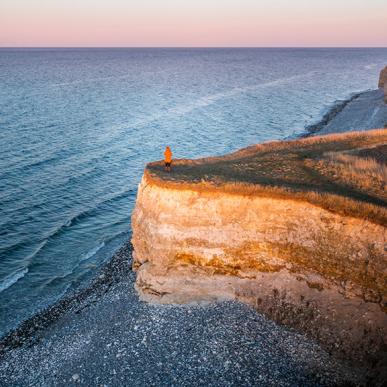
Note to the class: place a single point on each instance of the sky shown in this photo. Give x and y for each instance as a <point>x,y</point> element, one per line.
<point>193,23</point>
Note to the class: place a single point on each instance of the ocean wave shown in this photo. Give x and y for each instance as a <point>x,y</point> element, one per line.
<point>114,236</point>
<point>29,166</point>
<point>69,273</point>
<point>92,252</point>
<point>14,246</point>
<point>89,212</point>
<point>11,279</point>
<point>72,221</point>
<point>82,215</point>
<point>84,175</point>
<point>37,250</point>
<point>39,163</point>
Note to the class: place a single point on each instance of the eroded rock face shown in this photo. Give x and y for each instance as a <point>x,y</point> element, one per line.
<point>299,264</point>
<point>383,82</point>
<point>383,77</point>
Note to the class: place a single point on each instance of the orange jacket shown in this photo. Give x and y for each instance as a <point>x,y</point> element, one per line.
<point>168,155</point>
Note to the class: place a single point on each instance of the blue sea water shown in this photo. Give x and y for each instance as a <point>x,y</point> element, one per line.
<point>78,125</point>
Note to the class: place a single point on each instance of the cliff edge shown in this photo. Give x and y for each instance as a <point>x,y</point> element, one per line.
<point>295,228</point>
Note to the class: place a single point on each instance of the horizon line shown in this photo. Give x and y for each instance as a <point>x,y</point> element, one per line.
<point>180,47</point>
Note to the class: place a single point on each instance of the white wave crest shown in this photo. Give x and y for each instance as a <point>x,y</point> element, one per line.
<point>92,252</point>
<point>12,279</point>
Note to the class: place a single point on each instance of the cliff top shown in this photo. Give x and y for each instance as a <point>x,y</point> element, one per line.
<point>344,173</point>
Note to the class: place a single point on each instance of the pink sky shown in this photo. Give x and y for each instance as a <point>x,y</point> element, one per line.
<point>155,23</point>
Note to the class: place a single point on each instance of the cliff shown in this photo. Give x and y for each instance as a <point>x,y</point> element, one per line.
<point>383,77</point>
<point>296,229</point>
<point>383,82</point>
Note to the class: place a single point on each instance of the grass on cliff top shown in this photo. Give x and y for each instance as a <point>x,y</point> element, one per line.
<point>344,173</point>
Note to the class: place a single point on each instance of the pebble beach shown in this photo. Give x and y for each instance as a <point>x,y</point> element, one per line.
<point>105,336</point>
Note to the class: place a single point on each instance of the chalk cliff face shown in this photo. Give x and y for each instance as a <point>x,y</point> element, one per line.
<point>383,82</point>
<point>301,265</point>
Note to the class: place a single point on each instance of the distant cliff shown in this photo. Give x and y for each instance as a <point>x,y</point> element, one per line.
<point>383,77</point>
<point>383,82</point>
<point>295,229</point>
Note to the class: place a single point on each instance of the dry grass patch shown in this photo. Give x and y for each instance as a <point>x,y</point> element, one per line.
<point>364,174</point>
<point>344,173</point>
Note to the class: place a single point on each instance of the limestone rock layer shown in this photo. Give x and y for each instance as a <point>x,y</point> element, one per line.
<point>303,266</point>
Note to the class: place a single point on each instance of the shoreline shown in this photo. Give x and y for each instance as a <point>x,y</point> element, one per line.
<point>118,269</point>
<point>361,111</point>
<point>110,273</point>
<point>336,108</point>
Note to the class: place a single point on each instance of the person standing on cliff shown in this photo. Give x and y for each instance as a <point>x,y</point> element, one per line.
<point>168,158</point>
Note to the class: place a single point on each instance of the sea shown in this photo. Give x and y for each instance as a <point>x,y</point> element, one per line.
<point>77,127</point>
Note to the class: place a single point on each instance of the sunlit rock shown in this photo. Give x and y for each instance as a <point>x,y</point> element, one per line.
<point>301,236</point>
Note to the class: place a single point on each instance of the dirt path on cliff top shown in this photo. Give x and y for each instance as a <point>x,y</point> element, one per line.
<point>105,336</point>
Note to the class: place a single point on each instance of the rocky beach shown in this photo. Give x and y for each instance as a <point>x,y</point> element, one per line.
<point>104,335</point>
<point>361,111</point>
